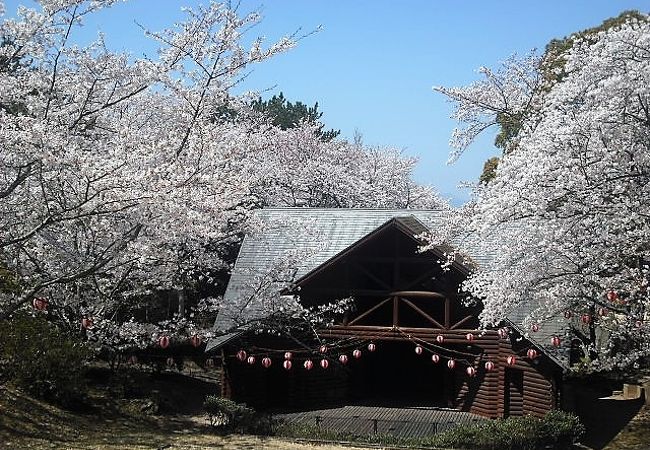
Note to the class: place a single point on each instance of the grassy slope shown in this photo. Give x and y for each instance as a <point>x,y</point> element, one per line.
<point>26,423</point>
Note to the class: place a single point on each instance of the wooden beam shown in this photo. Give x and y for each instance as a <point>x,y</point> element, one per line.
<point>374,308</point>
<point>422,313</point>
<point>413,294</point>
<point>421,278</point>
<point>395,311</point>
<point>372,276</point>
<point>458,324</point>
<point>447,312</point>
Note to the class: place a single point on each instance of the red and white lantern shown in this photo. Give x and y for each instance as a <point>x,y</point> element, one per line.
<point>372,347</point>
<point>470,371</point>
<point>503,333</point>
<point>435,358</point>
<point>356,354</point>
<point>286,364</point>
<point>288,356</point>
<point>250,360</point>
<point>196,340</point>
<point>324,363</point>
<point>323,349</point>
<point>556,341</point>
<point>418,350</point>
<point>531,353</point>
<point>309,364</point>
<point>534,328</point>
<point>602,312</point>
<point>612,296</point>
<point>586,319</point>
<point>451,364</point>
<point>511,360</point>
<point>343,359</point>
<point>568,314</point>
<point>489,366</point>
<point>469,337</point>
<point>170,362</point>
<point>241,355</point>
<point>440,339</point>
<point>86,323</point>
<point>266,362</point>
<point>39,303</point>
<point>163,341</point>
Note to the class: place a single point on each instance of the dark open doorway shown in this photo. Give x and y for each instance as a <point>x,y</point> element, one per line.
<point>396,375</point>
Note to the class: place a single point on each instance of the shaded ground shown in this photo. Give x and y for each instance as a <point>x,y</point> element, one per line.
<point>111,423</point>
<point>605,415</point>
<point>636,435</point>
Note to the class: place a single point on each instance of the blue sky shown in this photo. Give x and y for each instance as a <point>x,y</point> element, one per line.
<point>374,63</point>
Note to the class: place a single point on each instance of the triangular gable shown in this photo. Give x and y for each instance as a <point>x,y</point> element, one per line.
<point>409,225</point>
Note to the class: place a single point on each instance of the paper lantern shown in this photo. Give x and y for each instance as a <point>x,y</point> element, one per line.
<point>170,362</point>
<point>612,296</point>
<point>241,355</point>
<point>309,364</point>
<point>556,341</point>
<point>534,328</point>
<point>40,303</point>
<point>602,312</point>
<point>567,314</point>
<point>323,349</point>
<point>195,340</point>
<point>531,353</point>
<point>489,366</point>
<point>288,355</point>
<point>470,371</point>
<point>418,350</point>
<point>286,364</point>
<point>266,362</point>
<point>440,339</point>
<point>86,323</point>
<point>586,319</point>
<point>343,359</point>
<point>469,337</point>
<point>435,358</point>
<point>503,333</point>
<point>451,363</point>
<point>372,347</point>
<point>324,363</point>
<point>357,354</point>
<point>251,360</point>
<point>163,341</point>
<point>511,360</point>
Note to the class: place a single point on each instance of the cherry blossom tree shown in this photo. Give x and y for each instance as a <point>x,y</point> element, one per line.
<point>116,178</point>
<point>121,178</point>
<point>567,215</point>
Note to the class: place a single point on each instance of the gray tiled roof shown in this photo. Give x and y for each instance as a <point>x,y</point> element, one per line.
<point>312,236</point>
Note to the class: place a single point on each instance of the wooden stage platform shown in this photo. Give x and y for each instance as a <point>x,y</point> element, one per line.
<point>398,421</point>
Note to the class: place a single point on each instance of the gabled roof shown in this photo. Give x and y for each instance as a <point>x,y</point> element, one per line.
<point>309,238</point>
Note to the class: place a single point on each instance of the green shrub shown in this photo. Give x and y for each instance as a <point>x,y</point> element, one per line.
<point>42,360</point>
<point>232,417</point>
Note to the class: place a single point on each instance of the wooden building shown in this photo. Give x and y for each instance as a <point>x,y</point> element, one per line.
<point>417,337</point>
